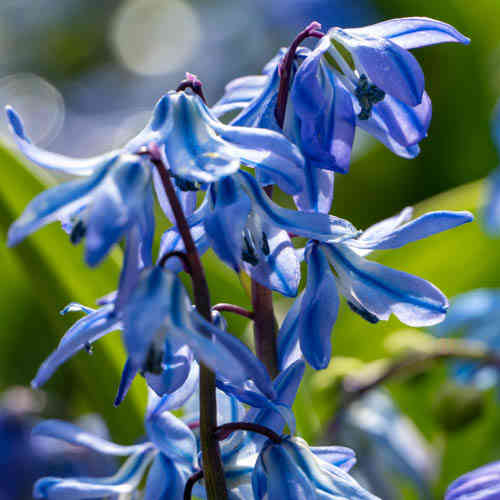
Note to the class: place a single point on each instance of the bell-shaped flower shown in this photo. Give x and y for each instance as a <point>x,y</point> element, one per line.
<point>248,230</point>
<point>102,207</point>
<point>480,484</point>
<point>474,316</point>
<point>390,448</point>
<point>372,290</point>
<point>292,470</point>
<point>173,448</point>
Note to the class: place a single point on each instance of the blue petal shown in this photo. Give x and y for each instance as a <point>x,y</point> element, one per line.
<point>54,161</point>
<point>145,219</point>
<point>259,480</point>
<point>225,222</point>
<point>86,330</point>
<point>166,479</point>
<point>390,67</point>
<point>278,267</point>
<point>126,480</point>
<point>63,200</point>
<point>317,195</point>
<point>285,478</point>
<point>115,206</point>
<point>288,335</point>
<point>128,375</point>
<point>73,434</point>
<point>172,437</point>
<point>404,124</point>
<point>286,386</point>
<point>413,32</point>
<point>307,224</point>
<point>480,484</point>
<point>325,110</point>
<point>423,227</point>
<point>179,397</point>
<point>319,310</point>
<point>380,290</point>
<point>339,456</point>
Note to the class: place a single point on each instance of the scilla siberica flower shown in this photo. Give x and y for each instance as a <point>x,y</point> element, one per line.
<point>479,484</point>
<point>491,211</point>
<point>474,316</point>
<point>116,192</point>
<point>372,290</point>
<point>381,89</point>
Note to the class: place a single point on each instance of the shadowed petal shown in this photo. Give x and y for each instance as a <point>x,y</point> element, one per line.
<point>166,479</point>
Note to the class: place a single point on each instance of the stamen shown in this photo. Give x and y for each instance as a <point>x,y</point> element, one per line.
<point>89,348</point>
<point>184,184</point>
<point>249,253</point>
<point>78,232</point>
<point>265,244</point>
<point>154,362</point>
<point>368,316</point>
<point>368,94</point>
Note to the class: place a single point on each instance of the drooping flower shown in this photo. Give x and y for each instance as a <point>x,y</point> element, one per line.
<point>372,290</point>
<point>292,470</point>
<point>115,194</point>
<point>474,316</point>
<point>173,449</point>
<point>389,446</point>
<point>248,230</point>
<point>480,484</point>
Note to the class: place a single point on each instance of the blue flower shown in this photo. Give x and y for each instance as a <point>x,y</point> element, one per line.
<point>173,448</point>
<point>116,194</point>
<point>491,210</point>
<point>474,316</point>
<point>389,446</point>
<point>294,471</point>
<point>248,230</point>
<point>480,484</point>
<point>372,290</point>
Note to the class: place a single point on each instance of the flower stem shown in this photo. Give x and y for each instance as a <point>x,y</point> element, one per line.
<point>213,471</point>
<point>285,69</point>
<point>232,308</point>
<point>224,431</point>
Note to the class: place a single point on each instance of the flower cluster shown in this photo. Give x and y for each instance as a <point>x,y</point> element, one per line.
<point>214,181</point>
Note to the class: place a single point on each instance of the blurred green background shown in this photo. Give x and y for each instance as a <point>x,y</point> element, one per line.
<point>84,75</point>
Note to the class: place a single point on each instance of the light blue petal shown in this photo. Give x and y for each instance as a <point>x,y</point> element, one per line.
<point>319,310</point>
<point>86,330</point>
<point>126,480</point>
<point>423,227</point>
<point>386,226</point>
<point>317,195</point>
<point>145,220</point>
<point>480,484</point>
<point>278,267</point>
<point>307,224</point>
<point>239,93</point>
<point>339,456</point>
<point>115,206</point>
<point>380,290</point>
<point>54,161</point>
<point>166,479</point>
<point>73,434</point>
<point>172,437</point>
<point>390,67</point>
<point>226,220</point>
<point>412,32</point>
<point>62,200</point>
<point>259,480</point>
<point>331,480</point>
